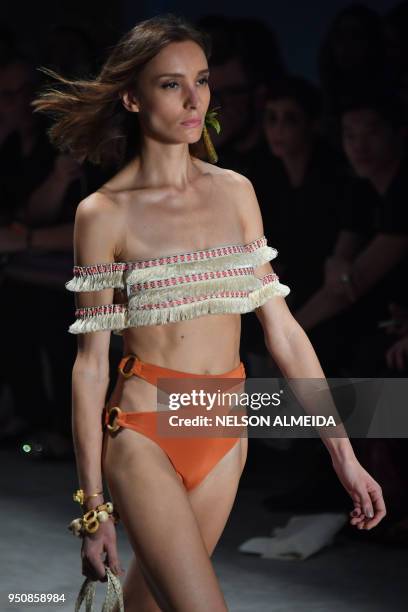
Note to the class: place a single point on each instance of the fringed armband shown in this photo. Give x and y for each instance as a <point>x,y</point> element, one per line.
<point>97,276</point>
<point>96,318</point>
<point>270,287</point>
<point>260,252</point>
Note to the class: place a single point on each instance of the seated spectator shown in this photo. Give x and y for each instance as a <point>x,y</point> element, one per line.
<point>395,24</point>
<point>369,263</point>
<point>39,192</point>
<point>299,183</point>
<point>244,57</point>
<point>397,354</point>
<point>352,51</point>
<point>352,56</point>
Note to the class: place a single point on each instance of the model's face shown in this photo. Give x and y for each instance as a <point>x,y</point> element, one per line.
<point>172,94</point>
<point>369,141</point>
<point>287,127</point>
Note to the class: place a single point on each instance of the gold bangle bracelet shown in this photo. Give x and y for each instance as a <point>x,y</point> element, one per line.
<point>90,521</point>
<point>80,497</point>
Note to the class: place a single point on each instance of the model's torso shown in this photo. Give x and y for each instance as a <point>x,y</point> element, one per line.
<point>158,222</point>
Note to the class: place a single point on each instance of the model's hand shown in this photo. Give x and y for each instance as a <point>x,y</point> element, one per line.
<point>366,493</point>
<point>93,547</point>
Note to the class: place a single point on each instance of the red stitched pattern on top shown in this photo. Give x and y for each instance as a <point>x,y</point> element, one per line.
<point>91,311</point>
<point>188,278</point>
<point>256,244</point>
<point>170,259</point>
<point>99,269</point>
<point>200,255</point>
<point>192,299</point>
<point>269,278</point>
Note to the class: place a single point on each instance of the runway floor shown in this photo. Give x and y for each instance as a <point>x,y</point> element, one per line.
<point>39,554</point>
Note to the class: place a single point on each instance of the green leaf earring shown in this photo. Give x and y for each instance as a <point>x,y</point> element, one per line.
<point>211,121</point>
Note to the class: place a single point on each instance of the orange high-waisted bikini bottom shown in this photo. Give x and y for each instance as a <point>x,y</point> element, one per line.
<point>192,457</point>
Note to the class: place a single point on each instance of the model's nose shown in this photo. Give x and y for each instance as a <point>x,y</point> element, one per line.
<point>192,98</point>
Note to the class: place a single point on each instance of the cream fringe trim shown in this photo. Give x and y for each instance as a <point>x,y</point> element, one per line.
<point>119,279</point>
<point>136,318</point>
<point>188,311</point>
<point>236,260</point>
<point>247,282</point>
<point>262,255</point>
<point>94,282</point>
<point>83,325</point>
<point>261,295</point>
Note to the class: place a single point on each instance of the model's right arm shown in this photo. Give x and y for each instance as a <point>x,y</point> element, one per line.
<point>96,233</point>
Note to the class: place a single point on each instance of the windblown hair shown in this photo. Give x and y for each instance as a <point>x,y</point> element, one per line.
<point>88,117</point>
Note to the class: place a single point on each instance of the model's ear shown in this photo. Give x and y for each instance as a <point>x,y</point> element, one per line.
<point>129,101</point>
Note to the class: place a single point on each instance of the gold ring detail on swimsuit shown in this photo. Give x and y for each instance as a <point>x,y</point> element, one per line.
<point>113,413</point>
<point>128,372</point>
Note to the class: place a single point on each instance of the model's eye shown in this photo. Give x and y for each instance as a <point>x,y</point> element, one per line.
<point>174,84</point>
<point>169,85</point>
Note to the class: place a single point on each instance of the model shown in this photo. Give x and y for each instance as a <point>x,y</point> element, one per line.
<point>168,253</point>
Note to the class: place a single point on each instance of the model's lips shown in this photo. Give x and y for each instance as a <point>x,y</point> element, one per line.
<point>192,123</point>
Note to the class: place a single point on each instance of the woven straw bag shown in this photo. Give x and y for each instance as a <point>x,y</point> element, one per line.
<point>113,597</point>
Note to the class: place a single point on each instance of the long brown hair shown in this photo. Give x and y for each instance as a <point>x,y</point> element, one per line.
<point>88,117</point>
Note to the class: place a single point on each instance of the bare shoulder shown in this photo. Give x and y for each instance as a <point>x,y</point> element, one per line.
<point>98,210</point>
<point>99,229</point>
<point>240,188</point>
<point>96,205</point>
<point>229,179</point>
<point>241,184</point>
<point>218,171</point>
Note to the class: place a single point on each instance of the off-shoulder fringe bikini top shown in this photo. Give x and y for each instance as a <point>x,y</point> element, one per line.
<point>177,287</point>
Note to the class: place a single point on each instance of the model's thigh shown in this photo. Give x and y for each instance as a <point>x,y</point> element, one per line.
<point>211,501</point>
<point>161,525</point>
<point>213,498</point>
<point>217,490</point>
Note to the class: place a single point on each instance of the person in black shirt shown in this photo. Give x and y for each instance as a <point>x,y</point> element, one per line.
<point>298,181</point>
<point>39,191</point>
<point>244,58</point>
<point>368,268</point>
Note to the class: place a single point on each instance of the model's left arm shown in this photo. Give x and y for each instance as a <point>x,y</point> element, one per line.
<point>293,352</point>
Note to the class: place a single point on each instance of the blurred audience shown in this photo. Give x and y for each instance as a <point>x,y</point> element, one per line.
<point>7,44</point>
<point>245,57</point>
<point>69,50</point>
<point>395,26</point>
<point>352,56</point>
<point>299,184</point>
<point>334,208</point>
<point>366,271</point>
<point>36,237</point>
